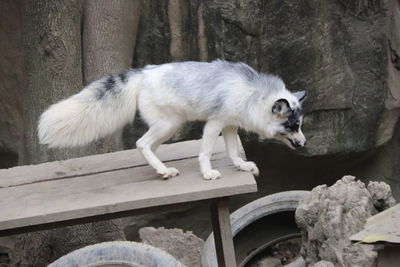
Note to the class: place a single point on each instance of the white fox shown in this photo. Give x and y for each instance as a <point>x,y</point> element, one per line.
<point>225,95</point>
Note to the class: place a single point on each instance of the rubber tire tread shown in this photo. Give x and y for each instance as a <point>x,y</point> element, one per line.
<point>119,253</point>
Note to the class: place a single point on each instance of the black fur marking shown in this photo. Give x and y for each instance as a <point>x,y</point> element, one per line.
<point>293,143</point>
<point>124,75</point>
<point>301,95</point>
<point>109,84</point>
<point>293,122</point>
<point>113,84</point>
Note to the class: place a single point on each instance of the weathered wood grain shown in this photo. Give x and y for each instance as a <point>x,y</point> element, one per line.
<point>97,164</point>
<point>222,233</point>
<point>112,183</point>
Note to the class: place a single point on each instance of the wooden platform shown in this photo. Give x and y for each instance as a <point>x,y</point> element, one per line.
<point>109,183</point>
<point>115,185</point>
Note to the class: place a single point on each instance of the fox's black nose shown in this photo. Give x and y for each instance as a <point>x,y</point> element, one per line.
<point>297,144</point>
<point>294,143</point>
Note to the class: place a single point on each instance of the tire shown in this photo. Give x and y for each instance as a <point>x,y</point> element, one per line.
<point>117,254</point>
<point>258,225</point>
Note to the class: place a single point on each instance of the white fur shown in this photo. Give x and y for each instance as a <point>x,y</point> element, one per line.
<point>225,95</point>
<point>80,119</point>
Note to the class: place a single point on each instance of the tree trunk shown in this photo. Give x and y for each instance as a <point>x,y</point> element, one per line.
<point>11,82</point>
<point>109,34</point>
<point>54,71</point>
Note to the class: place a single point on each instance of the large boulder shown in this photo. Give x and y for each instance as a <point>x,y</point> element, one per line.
<point>328,216</point>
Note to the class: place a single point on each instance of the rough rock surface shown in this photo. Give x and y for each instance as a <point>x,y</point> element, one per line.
<point>335,50</point>
<point>323,264</point>
<point>381,195</point>
<point>186,247</point>
<point>330,215</point>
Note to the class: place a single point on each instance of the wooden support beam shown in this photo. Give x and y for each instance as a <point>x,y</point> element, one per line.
<point>222,232</point>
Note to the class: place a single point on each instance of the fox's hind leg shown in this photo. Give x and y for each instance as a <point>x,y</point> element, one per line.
<point>232,146</point>
<point>158,133</point>
<point>211,131</point>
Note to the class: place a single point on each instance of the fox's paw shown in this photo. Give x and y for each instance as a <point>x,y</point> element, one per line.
<point>211,175</point>
<point>249,166</point>
<point>168,173</point>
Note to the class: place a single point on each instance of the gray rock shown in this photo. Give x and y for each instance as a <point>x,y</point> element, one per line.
<point>186,247</point>
<point>381,195</point>
<point>330,215</point>
<point>323,264</point>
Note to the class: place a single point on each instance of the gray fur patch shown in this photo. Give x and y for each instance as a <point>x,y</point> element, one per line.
<point>205,87</point>
<point>217,104</point>
<point>245,70</point>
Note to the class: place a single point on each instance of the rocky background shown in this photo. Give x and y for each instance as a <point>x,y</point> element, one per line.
<point>345,53</point>
<point>329,216</point>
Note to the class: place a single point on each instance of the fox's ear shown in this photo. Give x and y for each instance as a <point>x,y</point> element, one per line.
<point>281,107</point>
<point>301,96</point>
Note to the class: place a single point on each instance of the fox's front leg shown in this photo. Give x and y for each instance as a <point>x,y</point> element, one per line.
<point>232,146</point>
<point>212,129</point>
<point>148,143</point>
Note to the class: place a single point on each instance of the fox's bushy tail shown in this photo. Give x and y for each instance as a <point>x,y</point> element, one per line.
<point>100,109</point>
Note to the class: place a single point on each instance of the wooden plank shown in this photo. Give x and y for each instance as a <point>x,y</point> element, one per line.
<point>120,190</point>
<point>384,215</point>
<point>94,218</point>
<point>386,225</point>
<point>223,233</point>
<point>98,163</point>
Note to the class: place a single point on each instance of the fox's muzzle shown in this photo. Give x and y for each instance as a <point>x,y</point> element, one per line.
<point>297,140</point>
<point>296,143</point>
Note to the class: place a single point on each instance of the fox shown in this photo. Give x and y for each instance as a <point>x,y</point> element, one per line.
<point>225,95</point>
